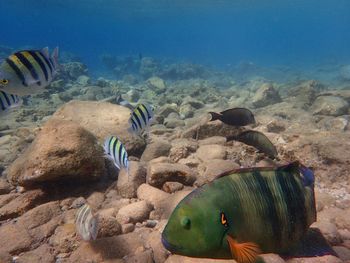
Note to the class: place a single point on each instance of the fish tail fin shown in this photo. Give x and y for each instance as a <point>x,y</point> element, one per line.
<point>214,116</point>
<point>312,245</point>
<point>54,57</point>
<point>122,102</point>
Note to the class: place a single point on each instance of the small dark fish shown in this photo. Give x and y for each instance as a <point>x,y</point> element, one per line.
<point>234,117</point>
<point>257,140</point>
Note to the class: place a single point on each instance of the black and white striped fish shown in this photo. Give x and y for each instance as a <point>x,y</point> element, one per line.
<point>9,101</point>
<point>28,72</point>
<point>116,151</point>
<point>140,118</point>
<point>86,223</point>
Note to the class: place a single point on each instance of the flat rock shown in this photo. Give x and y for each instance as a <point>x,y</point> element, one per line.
<point>151,194</point>
<point>171,187</point>
<point>210,152</point>
<point>21,204</point>
<point>219,140</point>
<point>159,173</point>
<point>134,212</point>
<point>343,253</point>
<point>271,258</point>
<point>265,96</point>
<point>102,119</point>
<point>140,257</point>
<point>323,259</point>
<point>61,150</point>
<point>330,105</point>
<point>5,187</point>
<point>154,242</point>
<point>183,259</point>
<point>14,239</point>
<point>42,254</point>
<point>64,238</point>
<point>329,231</point>
<point>127,184</point>
<point>156,149</point>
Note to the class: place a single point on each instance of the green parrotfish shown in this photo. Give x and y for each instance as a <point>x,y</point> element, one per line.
<point>247,212</point>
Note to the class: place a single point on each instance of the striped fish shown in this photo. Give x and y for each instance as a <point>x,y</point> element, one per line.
<point>140,118</point>
<point>86,223</point>
<point>9,101</point>
<point>116,151</point>
<point>245,213</point>
<point>28,72</point>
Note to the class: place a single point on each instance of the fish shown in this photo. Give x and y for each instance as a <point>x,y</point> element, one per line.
<point>9,101</point>
<point>86,223</point>
<point>120,101</point>
<point>28,72</point>
<point>116,152</point>
<point>246,212</point>
<point>140,119</point>
<point>234,117</point>
<point>257,140</point>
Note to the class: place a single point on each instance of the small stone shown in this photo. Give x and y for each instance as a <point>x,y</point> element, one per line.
<point>151,194</point>
<point>265,95</point>
<point>139,257</point>
<point>329,230</point>
<point>342,252</point>
<point>171,187</point>
<point>330,105</point>
<point>64,238</point>
<point>134,212</point>
<point>219,140</point>
<point>157,84</point>
<point>83,80</point>
<point>127,184</point>
<point>108,226</point>
<point>156,149</point>
<point>127,228</point>
<point>210,152</point>
<point>5,187</point>
<point>42,254</point>
<point>159,173</point>
<point>14,239</point>
<point>323,259</point>
<point>275,126</point>
<point>271,258</point>
<point>160,254</point>
<point>95,199</point>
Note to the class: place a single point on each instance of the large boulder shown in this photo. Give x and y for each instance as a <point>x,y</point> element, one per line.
<point>102,119</point>
<point>265,96</point>
<point>61,150</point>
<point>330,105</point>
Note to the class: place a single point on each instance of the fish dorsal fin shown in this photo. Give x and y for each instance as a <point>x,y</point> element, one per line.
<point>286,167</point>
<point>243,252</point>
<point>45,51</point>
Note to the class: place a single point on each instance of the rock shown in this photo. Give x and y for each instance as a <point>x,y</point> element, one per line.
<point>305,92</point>
<point>193,102</point>
<point>271,258</point>
<point>5,187</point>
<point>323,259</point>
<point>329,105</point>
<point>186,111</point>
<point>108,226</point>
<point>275,126</point>
<point>21,204</point>
<point>214,168</point>
<point>182,148</point>
<point>83,80</point>
<point>74,69</point>
<point>329,231</point>
<point>183,259</point>
<point>14,239</point>
<point>62,150</point>
<point>95,199</point>
<point>127,228</point>
<point>157,84</point>
<point>340,123</point>
<point>134,212</point>
<point>173,123</point>
<point>86,252</point>
<point>43,254</point>
<point>140,257</point>
<point>210,152</point>
<point>343,253</point>
<point>159,173</point>
<point>166,109</point>
<point>102,119</point>
<point>156,149</point>
<point>323,199</point>
<point>151,194</point>
<point>64,238</point>
<point>219,140</point>
<point>265,96</point>
<point>171,187</point>
<point>154,242</point>
<point>127,184</point>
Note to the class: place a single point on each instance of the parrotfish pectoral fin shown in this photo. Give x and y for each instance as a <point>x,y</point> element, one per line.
<point>312,245</point>
<point>243,252</point>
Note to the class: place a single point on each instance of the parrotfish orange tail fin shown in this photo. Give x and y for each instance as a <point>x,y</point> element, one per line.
<point>312,245</point>
<point>214,116</point>
<point>243,252</point>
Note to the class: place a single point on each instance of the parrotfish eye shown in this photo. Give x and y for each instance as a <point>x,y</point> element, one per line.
<point>223,219</point>
<point>4,81</point>
<point>186,222</point>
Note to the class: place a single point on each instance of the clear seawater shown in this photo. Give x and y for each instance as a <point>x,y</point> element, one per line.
<point>301,35</point>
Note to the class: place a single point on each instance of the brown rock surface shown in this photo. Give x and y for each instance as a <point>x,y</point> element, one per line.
<point>159,173</point>
<point>152,195</point>
<point>156,149</point>
<point>183,259</point>
<point>134,212</point>
<point>102,119</point>
<point>211,151</point>
<point>61,150</point>
<point>127,185</point>
<point>43,254</point>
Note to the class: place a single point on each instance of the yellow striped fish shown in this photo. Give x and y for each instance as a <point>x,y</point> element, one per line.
<point>116,151</point>
<point>140,119</point>
<point>86,223</point>
<point>8,101</point>
<point>28,72</point>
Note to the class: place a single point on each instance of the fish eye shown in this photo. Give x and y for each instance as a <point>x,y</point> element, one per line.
<point>4,81</point>
<point>223,219</point>
<point>186,223</point>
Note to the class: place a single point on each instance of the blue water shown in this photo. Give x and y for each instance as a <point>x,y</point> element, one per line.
<point>298,33</point>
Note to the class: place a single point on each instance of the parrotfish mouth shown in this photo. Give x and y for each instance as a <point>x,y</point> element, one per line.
<point>168,246</point>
